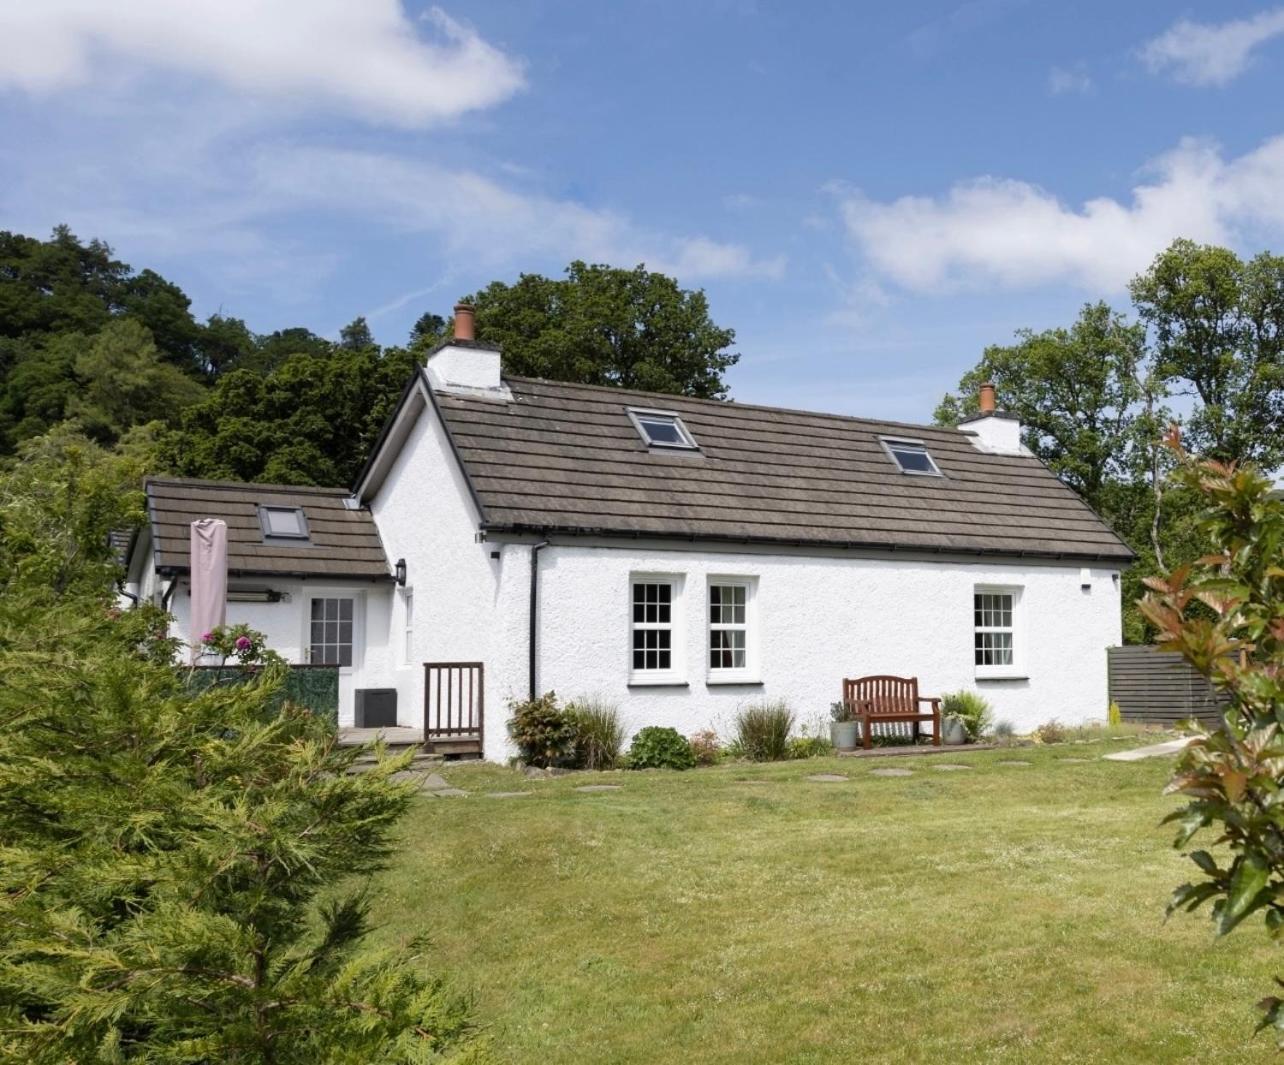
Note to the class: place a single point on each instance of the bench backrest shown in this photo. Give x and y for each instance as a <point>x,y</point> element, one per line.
<point>883,695</point>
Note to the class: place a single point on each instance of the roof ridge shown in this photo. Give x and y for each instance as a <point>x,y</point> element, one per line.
<point>735,404</point>
<point>247,486</point>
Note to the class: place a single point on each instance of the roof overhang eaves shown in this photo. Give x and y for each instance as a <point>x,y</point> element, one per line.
<point>888,546</point>
<point>379,578</point>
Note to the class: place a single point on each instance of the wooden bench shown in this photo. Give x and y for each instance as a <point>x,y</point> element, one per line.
<point>887,699</point>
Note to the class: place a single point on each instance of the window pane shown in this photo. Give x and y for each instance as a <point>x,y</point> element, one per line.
<point>661,430</point>
<point>913,459</point>
<point>283,521</point>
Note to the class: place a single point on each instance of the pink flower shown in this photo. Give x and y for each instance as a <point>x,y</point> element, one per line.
<point>207,638</point>
<point>243,643</point>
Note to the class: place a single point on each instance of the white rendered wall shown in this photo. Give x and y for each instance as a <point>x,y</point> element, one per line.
<point>425,515</point>
<point>819,619</point>
<point>285,626</point>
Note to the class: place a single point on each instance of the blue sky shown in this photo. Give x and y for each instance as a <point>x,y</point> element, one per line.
<point>869,193</point>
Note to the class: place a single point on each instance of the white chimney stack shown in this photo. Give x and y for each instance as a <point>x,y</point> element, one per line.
<point>993,430</point>
<point>466,365</point>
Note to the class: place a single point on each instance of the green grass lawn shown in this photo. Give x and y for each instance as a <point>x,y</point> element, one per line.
<point>743,914</point>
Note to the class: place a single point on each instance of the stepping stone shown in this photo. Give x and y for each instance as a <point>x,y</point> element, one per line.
<point>435,782</point>
<point>447,793</point>
<point>1156,750</point>
<point>949,767</point>
<point>891,772</point>
<point>1074,759</point>
<point>1013,761</point>
<point>828,778</point>
<point>598,787</point>
<point>507,794</point>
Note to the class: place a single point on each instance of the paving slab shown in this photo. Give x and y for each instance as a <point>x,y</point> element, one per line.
<point>1074,759</point>
<point>1155,750</point>
<point>447,793</point>
<point>598,787</point>
<point>828,778</point>
<point>891,772</point>
<point>950,767</point>
<point>435,782</point>
<point>507,794</point>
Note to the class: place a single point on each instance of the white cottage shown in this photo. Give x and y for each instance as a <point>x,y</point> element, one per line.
<point>678,557</point>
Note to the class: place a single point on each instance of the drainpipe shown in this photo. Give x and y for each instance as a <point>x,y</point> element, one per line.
<point>120,587</point>
<point>534,648</point>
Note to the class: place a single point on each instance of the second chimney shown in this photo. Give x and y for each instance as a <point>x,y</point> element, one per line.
<point>464,326</point>
<point>988,400</point>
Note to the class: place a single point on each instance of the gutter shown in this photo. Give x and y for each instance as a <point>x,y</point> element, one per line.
<point>534,618</point>
<point>1120,559</point>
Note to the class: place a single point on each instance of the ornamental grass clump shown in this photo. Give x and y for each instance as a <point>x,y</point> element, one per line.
<point>1225,614</point>
<point>599,733</point>
<point>972,709</point>
<point>762,731</point>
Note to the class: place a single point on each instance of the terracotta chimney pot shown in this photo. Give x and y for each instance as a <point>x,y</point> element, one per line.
<point>988,401</point>
<point>464,328</point>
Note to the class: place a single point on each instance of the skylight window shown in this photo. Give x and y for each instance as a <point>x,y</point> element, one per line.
<point>661,428</point>
<point>912,457</point>
<point>283,523</point>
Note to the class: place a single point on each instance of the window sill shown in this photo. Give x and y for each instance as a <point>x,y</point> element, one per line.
<point>1004,675</point>
<point>658,682</point>
<point>713,680</point>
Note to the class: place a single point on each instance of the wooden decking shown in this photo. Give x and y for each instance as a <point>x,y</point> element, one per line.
<point>455,746</point>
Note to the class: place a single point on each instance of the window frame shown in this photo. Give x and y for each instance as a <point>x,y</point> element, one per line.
<point>749,673</point>
<point>1014,670</point>
<point>304,536</point>
<point>407,625</point>
<point>638,415</point>
<point>358,625</point>
<point>891,443</point>
<point>675,674</point>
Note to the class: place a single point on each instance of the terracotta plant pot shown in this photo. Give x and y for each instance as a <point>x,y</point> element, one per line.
<point>844,735</point>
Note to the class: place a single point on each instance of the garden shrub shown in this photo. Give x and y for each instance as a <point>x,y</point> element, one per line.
<point>1051,732</point>
<point>810,747</point>
<point>972,709</point>
<point>1225,614</point>
<point>544,735</point>
<point>841,712</point>
<point>655,747</point>
<point>705,747</point>
<point>599,733</point>
<point>763,730</point>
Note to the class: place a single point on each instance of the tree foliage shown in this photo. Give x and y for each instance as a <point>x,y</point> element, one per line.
<point>1225,614</point>
<point>1206,349</point>
<point>182,874</point>
<point>606,326</point>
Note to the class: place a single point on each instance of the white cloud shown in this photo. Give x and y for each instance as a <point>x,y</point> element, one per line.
<point>1063,80</point>
<point>364,58</point>
<point>480,220</point>
<point>993,231</point>
<point>1200,53</point>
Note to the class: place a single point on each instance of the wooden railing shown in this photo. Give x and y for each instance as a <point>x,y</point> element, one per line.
<point>454,699</point>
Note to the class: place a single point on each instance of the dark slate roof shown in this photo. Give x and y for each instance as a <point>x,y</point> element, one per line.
<point>342,542</point>
<point>566,458</point>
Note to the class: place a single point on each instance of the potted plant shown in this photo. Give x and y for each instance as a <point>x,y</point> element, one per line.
<point>953,731</point>
<point>844,729</point>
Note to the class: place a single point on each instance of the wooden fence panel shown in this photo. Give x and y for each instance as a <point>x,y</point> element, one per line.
<point>1157,687</point>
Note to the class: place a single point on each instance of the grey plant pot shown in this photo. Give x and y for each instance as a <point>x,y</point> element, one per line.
<point>952,732</point>
<point>844,735</point>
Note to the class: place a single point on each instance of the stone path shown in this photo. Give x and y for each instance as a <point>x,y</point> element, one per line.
<point>1155,750</point>
<point>891,772</point>
<point>828,778</point>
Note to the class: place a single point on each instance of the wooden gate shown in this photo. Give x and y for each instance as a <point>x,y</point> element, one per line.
<point>454,707</point>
